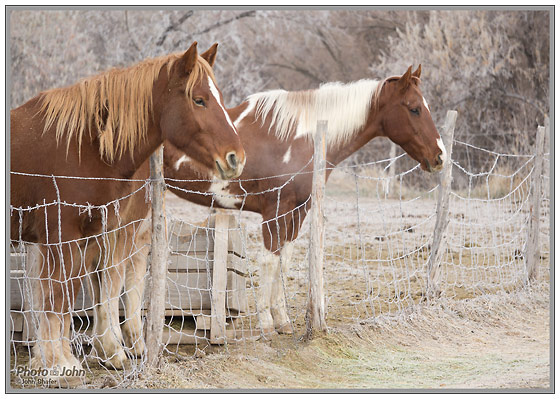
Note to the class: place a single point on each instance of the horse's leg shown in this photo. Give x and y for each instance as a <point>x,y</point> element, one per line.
<point>94,264</point>
<point>289,226</point>
<point>47,350</point>
<point>59,281</point>
<point>67,322</point>
<point>134,290</point>
<point>268,271</point>
<point>108,336</point>
<point>76,272</point>
<point>278,307</point>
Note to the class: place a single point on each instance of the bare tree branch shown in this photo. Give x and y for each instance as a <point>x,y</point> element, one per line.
<point>218,24</point>
<point>227,21</point>
<point>173,26</point>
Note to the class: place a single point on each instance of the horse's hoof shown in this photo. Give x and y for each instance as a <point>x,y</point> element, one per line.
<point>138,349</point>
<point>285,328</point>
<point>117,361</point>
<point>266,333</point>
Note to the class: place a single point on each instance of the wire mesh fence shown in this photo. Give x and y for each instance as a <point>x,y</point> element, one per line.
<point>224,287</point>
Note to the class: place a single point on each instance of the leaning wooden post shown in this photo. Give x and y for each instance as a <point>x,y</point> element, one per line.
<point>532,250</point>
<point>158,262</point>
<point>315,316</point>
<point>442,212</point>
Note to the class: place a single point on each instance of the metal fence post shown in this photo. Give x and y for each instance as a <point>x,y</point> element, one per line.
<point>532,250</point>
<point>315,316</point>
<point>442,212</point>
<point>158,262</point>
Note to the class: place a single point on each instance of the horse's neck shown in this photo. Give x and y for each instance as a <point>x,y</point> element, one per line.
<point>129,164</point>
<point>339,153</point>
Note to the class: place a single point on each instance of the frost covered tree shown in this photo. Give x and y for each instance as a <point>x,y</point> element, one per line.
<point>492,67</point>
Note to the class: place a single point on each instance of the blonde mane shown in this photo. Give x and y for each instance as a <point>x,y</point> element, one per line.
<point>345,106</point>
<point>116,104</point>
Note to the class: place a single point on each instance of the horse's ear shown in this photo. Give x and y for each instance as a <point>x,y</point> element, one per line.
<point>188,60</point>
<point>417,72</point>
<point>210,54</point>
<point>404,81</point>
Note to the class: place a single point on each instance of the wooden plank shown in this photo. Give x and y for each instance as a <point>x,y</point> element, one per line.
<point>17,273</point>
<point>16,321</point>
<point>158,262</point>
<point>202,261</point>
<point>236,295</point>
<point>315,314</point>
<point>184,337</point>
<point>17,289</point>
<point>186,313</point>
<point>17,260</point>
<point>187,291</point>
<point>442,212</point>
<point>203,322</point>
<point>219,281</point>
<point>184,237</point>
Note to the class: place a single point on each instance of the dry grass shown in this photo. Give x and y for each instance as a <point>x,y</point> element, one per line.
<point>499,341</point>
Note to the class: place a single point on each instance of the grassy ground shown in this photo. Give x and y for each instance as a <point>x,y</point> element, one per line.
<point>498,341</point>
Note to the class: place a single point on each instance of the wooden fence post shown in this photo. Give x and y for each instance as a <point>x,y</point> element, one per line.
<point>158,262</point>
<point>442,212</point>
<point>315,316</point>
<point>219,280</point>
<point>532,250</point>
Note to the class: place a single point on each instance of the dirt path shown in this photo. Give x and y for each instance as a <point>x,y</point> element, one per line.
<point>499,341</point>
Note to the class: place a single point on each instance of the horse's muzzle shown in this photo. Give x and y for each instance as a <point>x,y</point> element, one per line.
<point>230,167</point>
<point>434,167</point>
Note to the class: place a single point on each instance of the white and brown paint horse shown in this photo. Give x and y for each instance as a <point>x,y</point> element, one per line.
<point>275,128</point>
<point>102,130</point>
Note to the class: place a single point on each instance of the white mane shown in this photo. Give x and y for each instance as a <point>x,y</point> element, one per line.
<point>344,106</point>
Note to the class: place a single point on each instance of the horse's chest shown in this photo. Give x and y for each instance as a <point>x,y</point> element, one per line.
<point>223,195</point>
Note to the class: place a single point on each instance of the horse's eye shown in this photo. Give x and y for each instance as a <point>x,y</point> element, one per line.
<point>200,102</point>
<point>415,111</point>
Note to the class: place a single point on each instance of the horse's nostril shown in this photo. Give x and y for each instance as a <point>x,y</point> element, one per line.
<point>439,160</point>
<point>232,160</point>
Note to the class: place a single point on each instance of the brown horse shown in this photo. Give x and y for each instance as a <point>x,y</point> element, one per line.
<point>74,152</point>
<point>274,128</point>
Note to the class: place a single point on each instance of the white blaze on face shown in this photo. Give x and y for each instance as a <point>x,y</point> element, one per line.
<point>287,155</point>
<point>426,104</point>
<point>216,95</point>
<point>181,161</point>
<point>223,196</point>
<point>443,150</point>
